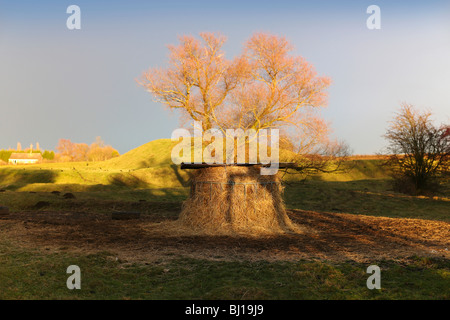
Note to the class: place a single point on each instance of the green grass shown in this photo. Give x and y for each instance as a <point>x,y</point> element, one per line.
<point>368,197</point>
<point>39,274</point>
<point>152,154</point>
<point>146,173</point>
<point>364,189</point>
<point>148,166</point>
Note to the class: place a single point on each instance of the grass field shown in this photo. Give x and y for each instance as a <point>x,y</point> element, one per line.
<point>37,274</point>
<point>33,267</point>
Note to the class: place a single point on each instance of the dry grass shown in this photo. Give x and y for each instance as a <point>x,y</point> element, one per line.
<point>367,157</point>
<point>236,200</point>
<point>337,237</point>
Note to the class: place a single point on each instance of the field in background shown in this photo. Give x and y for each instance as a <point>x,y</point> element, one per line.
<point>145,180</point>
<point>148,166</point>
<point>147,174</point>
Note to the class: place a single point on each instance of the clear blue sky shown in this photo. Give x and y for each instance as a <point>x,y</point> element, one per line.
<point>78,84</point>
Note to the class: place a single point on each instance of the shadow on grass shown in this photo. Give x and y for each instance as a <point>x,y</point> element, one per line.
<point>185,182</point>
<point>368,197</point>
<point>127,180</point>
<point>355,169</point>
<point>15,178</point>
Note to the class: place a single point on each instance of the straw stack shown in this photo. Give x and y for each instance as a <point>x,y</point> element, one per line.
<point>236,199</point>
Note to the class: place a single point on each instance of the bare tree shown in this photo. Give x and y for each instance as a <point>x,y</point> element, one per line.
<point>267,86</point>
<point>65,150</point>
<point>418,150</point>
<point>278,90</point>
<point>99,151</point>
<point>198,80</point>
<point>70,151</point>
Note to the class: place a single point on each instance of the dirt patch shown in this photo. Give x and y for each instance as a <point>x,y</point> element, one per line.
<point>328,236</point>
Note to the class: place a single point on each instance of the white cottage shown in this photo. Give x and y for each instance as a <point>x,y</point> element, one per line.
<point>25,158</point>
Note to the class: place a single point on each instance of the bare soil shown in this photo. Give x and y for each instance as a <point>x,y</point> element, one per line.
<point>324,236</point>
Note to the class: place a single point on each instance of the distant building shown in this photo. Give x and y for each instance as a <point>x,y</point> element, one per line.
<point>25,158</point>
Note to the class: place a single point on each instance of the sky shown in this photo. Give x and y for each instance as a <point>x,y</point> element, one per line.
<point>79,84</point>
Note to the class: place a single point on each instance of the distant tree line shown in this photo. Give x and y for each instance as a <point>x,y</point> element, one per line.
<point>67,151</point>
<point>98,151</point>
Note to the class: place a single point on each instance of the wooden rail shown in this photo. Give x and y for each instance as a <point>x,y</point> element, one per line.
<point>281,165</point>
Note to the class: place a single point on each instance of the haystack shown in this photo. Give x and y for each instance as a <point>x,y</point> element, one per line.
<point>235,199</point>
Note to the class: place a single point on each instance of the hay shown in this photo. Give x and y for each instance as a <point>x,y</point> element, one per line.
<point>235,199</point>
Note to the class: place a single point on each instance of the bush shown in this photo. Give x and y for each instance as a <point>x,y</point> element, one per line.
<point>419,151</point>
<point>407,185</point>
<point>5,154</point>
<point>48,155</point>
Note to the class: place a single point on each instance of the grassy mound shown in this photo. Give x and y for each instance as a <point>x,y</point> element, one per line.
<point>147,166</point>
<point>152,154</point>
